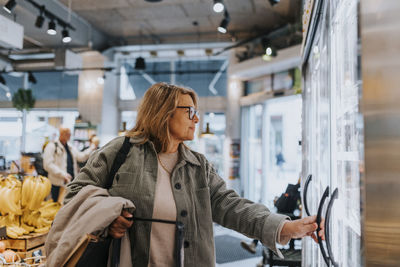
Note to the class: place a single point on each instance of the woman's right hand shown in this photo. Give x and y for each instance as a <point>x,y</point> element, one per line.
<point>119,226</point>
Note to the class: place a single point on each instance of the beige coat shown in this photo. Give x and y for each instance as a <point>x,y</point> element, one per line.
<point>55,161</point>
<point>90,212</point>
<point>200,194</point>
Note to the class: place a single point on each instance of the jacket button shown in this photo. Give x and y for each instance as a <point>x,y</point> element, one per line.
<point>178,186</point>
<point>186,244</point>
<point>183,213</point>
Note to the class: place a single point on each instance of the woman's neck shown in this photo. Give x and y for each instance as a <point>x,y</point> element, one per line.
<point>172,147</point>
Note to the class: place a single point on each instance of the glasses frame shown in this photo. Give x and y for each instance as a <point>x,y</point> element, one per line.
<point>192,111</point>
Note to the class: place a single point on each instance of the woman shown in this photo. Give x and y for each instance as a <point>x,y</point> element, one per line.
<point>166,180</point>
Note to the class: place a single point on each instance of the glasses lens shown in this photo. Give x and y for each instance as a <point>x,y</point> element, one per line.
<point>191,113</point>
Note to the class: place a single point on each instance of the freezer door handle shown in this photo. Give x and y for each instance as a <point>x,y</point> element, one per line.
<point>319,219</point>
<point>334,196</point>
<point>308,180</point>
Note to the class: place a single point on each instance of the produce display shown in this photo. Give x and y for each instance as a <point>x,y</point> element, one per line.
<point>22,206</point>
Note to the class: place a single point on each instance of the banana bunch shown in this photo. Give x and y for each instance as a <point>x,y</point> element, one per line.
<point>34,191</point>
<point>13,227</point>
<point>22,206</point>
<point>10,195</point>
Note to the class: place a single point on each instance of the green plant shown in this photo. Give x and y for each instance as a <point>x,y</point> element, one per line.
<point>23,99</point>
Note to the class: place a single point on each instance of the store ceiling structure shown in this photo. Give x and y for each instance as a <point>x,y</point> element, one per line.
<point>101,24</point>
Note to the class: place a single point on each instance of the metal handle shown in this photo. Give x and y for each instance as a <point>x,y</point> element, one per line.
<point>327,219</point>
<point>321,204</point>
<point>309,178</point>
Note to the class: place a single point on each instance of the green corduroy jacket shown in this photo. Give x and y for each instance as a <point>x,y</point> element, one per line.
<point>197,189</point>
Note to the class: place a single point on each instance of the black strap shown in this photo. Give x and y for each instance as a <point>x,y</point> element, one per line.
<point>118,161</point>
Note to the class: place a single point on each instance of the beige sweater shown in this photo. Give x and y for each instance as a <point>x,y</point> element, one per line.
<point>162,238</point>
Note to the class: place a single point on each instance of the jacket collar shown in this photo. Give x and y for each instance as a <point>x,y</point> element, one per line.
<point>184,151</point>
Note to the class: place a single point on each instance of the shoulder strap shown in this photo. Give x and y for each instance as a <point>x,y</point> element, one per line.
<point>118,161</point>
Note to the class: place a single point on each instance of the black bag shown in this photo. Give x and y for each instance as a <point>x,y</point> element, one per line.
<point>288,201</point>
<point>96,253</point>
<point>38,163</point>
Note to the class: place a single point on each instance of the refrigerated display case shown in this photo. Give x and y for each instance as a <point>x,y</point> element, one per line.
<point>332,133</point>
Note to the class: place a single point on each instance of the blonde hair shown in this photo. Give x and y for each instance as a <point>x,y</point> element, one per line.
<point>157,106</point>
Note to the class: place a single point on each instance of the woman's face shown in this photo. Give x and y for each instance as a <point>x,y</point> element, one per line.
<point>181,127</point>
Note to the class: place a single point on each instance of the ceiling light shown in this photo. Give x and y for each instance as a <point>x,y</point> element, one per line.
<point>40,18</point>
<point>10,6</point>
<point>100,80</point>
<point>224,24</point>
<point>153,53</point>
<point>218,6</point>
<point>2,80</point>
<point>65,36</point>
<point>52,28</point>
<point>140,64</point>
<point>180,53</point>
<point>39,21</point>
<point>273,2</point>
<point>207,132</point>
<point>31,78</point>
<point>153,1</point>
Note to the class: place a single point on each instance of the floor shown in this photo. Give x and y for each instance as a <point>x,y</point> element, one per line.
<point>251,262</point>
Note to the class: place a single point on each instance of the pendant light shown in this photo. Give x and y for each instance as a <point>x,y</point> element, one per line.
<point>207,132</point>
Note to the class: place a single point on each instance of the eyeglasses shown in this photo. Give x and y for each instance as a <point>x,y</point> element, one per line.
<point>192,111</point>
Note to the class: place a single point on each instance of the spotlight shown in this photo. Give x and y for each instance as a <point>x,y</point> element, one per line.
<point>52,28</point>
<point>224,24</point>
<point>39,21</point>
<point>100,80</point>
<point>10,6</point>
<point>31,78</point>
<point>274,2</point>
<point>65,36</point>
<point>2,80</point>
<point>40,18</point>
<point>140,64</point>
<point>218,6</point>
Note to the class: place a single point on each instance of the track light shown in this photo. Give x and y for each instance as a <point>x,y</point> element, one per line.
<point>2,80</point>
<point>140,64</point>
<point>52,28</point>
<point>65,36</point>
<point>40,19</point>
<point>224,23</point>
<point>10,6</point>
<point>273,2</point>
<point>218,6</point>
<point>31,78</point>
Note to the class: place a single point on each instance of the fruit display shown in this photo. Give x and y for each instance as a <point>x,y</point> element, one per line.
<point>22,206</point>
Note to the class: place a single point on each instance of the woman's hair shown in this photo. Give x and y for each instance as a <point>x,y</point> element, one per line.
<point>157,106</point>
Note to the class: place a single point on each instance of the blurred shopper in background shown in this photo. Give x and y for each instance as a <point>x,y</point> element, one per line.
<point>166,180</point>
<point>60,161</point>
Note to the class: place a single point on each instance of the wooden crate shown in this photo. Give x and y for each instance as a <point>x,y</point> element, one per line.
<point>26,242</point>
<point>31,253</point>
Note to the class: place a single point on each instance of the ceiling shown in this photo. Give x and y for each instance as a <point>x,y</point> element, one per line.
<point>177,21</point>
<point>102,24</point>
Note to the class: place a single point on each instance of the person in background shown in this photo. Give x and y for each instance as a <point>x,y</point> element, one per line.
<point>93,140</point>
<point>60,161</point>
<point>167,180</point>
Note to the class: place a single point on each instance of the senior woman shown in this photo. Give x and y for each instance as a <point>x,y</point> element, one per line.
<point>167,180</point>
